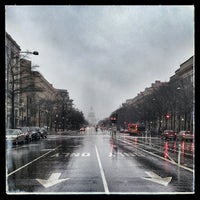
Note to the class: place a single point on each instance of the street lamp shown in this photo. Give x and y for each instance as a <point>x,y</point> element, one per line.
<point>11,69</point>
<point>47,121</point>
<point>56,123</point>
<point>177,109</point>
<point>156,112</point>
<point>182,123</point>
<point>63,123</point>
<point>30,52</point>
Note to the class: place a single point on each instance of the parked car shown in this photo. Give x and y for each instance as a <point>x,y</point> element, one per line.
<point>168,134</point>
<point>121,130</point>
<point>15,136</point>
<point>125,130</point>
<point>35,133</point>
<point>27,133</point>
<point>185,135</point>
<point>82,129</point>
<point>43,132</point>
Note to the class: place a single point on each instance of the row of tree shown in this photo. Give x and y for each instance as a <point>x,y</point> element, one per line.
<point>57,115</point>
<point>171,106</point>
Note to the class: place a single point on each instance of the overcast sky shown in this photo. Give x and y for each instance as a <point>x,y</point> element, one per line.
<point>103,55</point>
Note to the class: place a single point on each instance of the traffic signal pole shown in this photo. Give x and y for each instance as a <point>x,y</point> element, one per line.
<point>113,120</point>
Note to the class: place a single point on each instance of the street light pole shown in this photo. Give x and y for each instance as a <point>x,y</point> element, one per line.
<point>27,112</point>
<point>22,112</point>
<point>11,70</point>
<point>30,52</point>
<point>39,115</point>
<point>56,125</point>
<point>177,110</point>
<point>63,123</point>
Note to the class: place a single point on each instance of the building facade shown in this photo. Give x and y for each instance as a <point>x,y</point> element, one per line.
<point>147,91</point>
<point>183,82</point>
<point>30,99</point>
<point>36,98</point>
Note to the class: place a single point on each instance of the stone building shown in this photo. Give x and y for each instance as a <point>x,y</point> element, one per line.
<point>140,96</point>
<point>183,82</point>
<point>38,94</point>
<point>185,72</point>
<point>30,99</point>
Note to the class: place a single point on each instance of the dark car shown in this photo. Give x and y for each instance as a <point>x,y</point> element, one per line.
<point>43,132</point>
<point>185,135</point>
<point>35,132</point>
<point>168,134</point>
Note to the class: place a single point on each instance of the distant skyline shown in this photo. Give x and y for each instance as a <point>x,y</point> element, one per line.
<point>104,55</point>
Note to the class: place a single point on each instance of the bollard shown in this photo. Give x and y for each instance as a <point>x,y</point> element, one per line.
<point>179,154</point>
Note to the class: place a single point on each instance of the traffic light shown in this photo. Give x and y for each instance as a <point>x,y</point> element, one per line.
<point>113,118</point>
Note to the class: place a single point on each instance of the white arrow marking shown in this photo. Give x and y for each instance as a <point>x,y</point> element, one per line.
<point>157,179</point>
<point>53,180</point>
<point>55,155</point>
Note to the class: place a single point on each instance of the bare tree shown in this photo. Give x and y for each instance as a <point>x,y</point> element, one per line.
<point>21,80</point>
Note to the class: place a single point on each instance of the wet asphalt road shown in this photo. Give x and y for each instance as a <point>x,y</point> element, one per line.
<point>92,163</point>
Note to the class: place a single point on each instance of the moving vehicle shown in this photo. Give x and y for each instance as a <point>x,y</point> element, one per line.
<point>15,136</point>
<point>168,134</point>
<point>185,135</point>
<point>136,129</point>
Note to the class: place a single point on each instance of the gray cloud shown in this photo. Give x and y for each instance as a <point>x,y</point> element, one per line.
<point>104,55</point>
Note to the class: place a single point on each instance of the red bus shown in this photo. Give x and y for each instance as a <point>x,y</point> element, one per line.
<point>136,129</point>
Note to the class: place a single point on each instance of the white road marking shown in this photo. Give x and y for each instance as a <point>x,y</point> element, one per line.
<point>84,154</point>
<point>52,180</point>
<point>75,155</point>
<point>32,161</point>
<point>55,155</point>
<point>46,149</point>
<point>102,172</point>
<point>157,179</point>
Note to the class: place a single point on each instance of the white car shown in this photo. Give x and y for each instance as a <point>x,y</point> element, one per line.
<point>15,136</point>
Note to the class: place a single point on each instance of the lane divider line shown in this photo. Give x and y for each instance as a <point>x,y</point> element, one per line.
<point>102,172</point>
<point>32,161</point>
